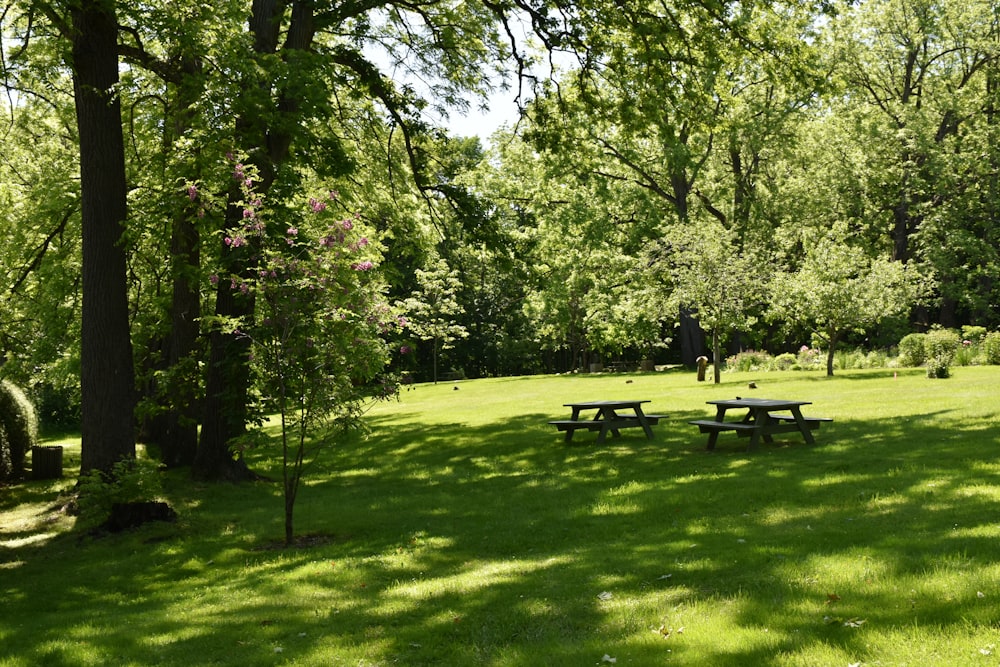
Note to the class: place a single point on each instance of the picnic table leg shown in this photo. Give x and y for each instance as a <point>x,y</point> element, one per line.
<point>713,436</point>
<point>803,428</point>
<point>645,422</point>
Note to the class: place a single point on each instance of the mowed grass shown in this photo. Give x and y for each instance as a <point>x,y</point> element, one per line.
<point>464,531</point>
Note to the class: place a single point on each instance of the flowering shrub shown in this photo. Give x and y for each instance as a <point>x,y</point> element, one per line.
<point>321,323</point>
<point>811,358</point>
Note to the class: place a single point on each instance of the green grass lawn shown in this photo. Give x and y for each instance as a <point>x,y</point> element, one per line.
<point>464,531</point>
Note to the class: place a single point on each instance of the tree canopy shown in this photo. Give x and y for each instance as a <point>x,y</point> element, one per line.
<point>676,173</point>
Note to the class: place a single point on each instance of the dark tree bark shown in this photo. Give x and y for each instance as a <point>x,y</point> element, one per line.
<point>179,437</point>
<point>107,375</point>
<point>228,374</point>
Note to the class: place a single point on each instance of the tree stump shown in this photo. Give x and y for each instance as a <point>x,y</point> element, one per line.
<point>702,365</point>
<point>46,462</point>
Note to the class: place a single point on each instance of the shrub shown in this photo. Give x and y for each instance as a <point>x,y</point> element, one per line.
<point>912,350</point>
<point>784,362</point>
<point>991,347</point>
<point>748,360</point>
<point>131,481</point>
<point>940,346</point>
<point>18,430</point>
<point>973,334</point>
<point>811,358</point>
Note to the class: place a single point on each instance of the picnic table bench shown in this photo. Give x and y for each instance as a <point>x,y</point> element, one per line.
<point>611,417</point>
<point>764,418</point>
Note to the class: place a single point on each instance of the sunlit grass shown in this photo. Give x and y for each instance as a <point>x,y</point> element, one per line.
<point>464,531</point>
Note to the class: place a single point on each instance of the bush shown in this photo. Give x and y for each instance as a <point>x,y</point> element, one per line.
<point>991,348</point>
<point>784,362</point>
<point>912,350</point>
<point>940,346</point>
<point>130,481</point>
<point>18,430</point>
<point>973,334</point>
<point>747,361</point>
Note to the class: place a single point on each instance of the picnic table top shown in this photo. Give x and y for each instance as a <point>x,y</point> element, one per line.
<point>605,404</point>
<point>767,403</point>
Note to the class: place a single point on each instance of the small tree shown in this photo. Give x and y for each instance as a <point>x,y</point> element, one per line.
<point>432,308</point>
<point>318,340</point>
<point>839,289</point>
<point>721,285</point>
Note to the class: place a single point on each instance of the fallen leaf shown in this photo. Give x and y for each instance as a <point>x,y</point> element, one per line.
<point>854,622</point>
<point>608,658</point>
<point>832,597</point>
<point>604,596</point>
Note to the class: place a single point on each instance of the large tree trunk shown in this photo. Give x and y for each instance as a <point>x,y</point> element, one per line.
<point>107,375</point>
<point>179,438</point>
<point>266,135</point>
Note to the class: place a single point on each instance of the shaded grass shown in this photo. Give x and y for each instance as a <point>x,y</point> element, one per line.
<point>463,531</point>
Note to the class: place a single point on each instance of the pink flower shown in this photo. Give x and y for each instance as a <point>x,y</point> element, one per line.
<point>214,279</point>
<point>192,192</point>
<point>316,205</point>
<point>347,225</point>
<point>292,231</point>
<point>362,266</point>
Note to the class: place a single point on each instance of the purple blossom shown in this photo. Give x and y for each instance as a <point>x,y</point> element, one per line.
<point>316,205</point>
<point>214,279</point>
<point>238,173</point>
<point>292,231</point>
<point>192,192</point>
<point>347,225</point>
<point>362,266</point>
<point>404,349</point>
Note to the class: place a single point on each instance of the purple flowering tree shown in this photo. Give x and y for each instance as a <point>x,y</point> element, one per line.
<point>320,330</point>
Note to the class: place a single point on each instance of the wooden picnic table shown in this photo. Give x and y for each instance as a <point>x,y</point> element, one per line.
<point>610,417</point>
<point>764,418</point>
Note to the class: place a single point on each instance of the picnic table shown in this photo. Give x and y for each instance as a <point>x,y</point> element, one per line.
<point>764,418</point>
<point>610,417</point>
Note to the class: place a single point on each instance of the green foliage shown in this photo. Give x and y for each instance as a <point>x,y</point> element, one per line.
<point>912,350</point>
<point>785,361</point>
<point>973,334</point>
<point>129,481</point>
<point>940,346</point>
<point>319,332</point>
<point>748,361</point>
<point>991,348</point>
<point>18,430</point>
<point>839,289</point>
<point>433,307</point>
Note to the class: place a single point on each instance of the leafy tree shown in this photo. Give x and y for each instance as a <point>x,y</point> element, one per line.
<point>919,76</point>
<point>432,309</point>
<point>721,285</point>
<point>839,289</point>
